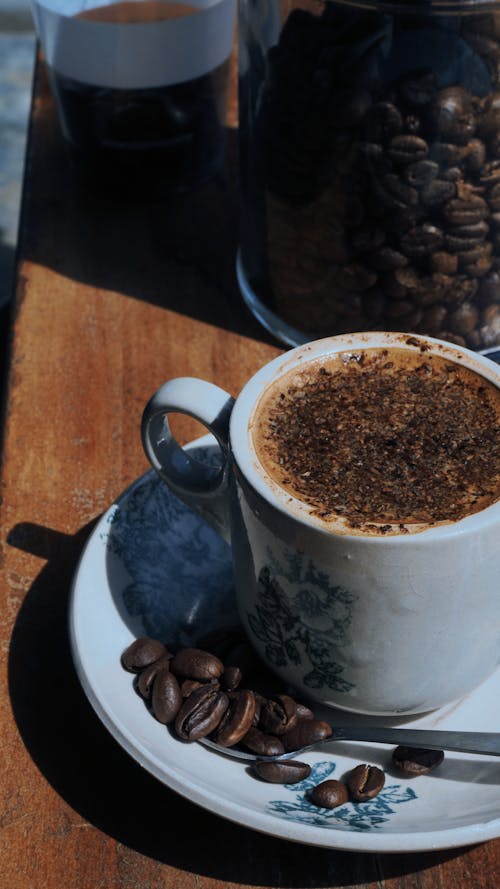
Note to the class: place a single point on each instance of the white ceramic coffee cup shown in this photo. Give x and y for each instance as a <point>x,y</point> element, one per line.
<point>372,624</point>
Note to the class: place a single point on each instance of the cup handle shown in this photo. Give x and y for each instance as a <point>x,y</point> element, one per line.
<point>203,488</point>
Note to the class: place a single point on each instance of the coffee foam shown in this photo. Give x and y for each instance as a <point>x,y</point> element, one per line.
<point>297,376</point>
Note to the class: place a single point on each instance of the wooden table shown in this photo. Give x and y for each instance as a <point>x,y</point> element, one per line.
<point>111,300</point>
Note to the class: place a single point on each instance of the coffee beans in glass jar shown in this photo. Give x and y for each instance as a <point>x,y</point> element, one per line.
<point>371,169</point>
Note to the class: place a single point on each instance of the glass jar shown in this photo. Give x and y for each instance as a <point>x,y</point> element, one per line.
<point>370,168</point>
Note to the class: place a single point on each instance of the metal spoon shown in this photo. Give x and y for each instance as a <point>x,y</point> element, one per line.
<point>487,743</point>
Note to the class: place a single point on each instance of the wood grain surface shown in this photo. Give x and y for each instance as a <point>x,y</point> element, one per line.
<point>112,299</point>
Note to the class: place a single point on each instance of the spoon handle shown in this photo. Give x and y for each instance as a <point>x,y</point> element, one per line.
<point>487,743</point>
<point>463,742</point>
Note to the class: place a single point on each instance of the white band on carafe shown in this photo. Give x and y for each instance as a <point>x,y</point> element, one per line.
<point>134,55</point>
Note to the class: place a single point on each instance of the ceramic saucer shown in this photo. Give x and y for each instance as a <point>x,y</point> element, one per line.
<point>153,567</point>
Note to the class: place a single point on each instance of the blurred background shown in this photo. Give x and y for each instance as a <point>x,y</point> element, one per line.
<point>17,53</point>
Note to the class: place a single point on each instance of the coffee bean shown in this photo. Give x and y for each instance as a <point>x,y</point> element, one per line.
<point>383,121</point>
<point>420,173</point>
<point>386,259</point>
<point>262,744</point>
<point>141,653</point>
<point>304,712</point>
<point>433,319</point>
<point>451,116</point>
<point>356,277</point>
<point>237,720</point>
<point>329,794</point>
<point>446,263</point>
<point>474,156</point>
<point>394,192</point>
<point>166,698</point>
<point>189,685</point>
<point>407,149</point>
<point>490,173</point>
<point>201,713</point>
<point>365,782</point>
<point>465,210</point>
<point>413,761</point>
<point>146,677</point>
<point>489,122</point>
<point>278,715</point>
<point>289,771</point>
<point>305,732</point>
<point>194,663</point>
<point>464,319</point>
<point>436,192</point>
<point>494,197</point>
<point>421,240</point>
<point>445,154</point>
<point>231,678</point>
<point>489,290</point>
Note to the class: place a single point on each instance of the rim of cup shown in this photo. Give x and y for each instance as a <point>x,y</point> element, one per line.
<point>244,453</point>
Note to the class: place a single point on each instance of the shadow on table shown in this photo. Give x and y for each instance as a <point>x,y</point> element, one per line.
<point>165,251</point>
<point>99,781</point>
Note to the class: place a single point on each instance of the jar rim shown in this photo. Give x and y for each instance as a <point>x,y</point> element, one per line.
<point>431,7</point>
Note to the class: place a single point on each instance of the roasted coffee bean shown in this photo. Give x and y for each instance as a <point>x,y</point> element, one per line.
<point>386,259</point>
<point>451,116</point>
<point>289,771</point>
<point>304,712</point>
<point>413,761</point>
<point>262,744</point>
<point>278,715</point>
<point>189,685</point>
<point>489,290</point>
<point>420,173</point>
<point>407,149</point>
<point>445,154</point>
<point>194,663</point>
<point>231,678</point>
<point>143,652</point>
<point>465,210</point>
<point>329,794</point>
<point>490,174</point>
<point>493,197</point>
<point>146,677</point>
<point>356,277</point>
<point>421,240</point>
<point>365,782</point>
<point>383,121</point>
<point>463,319</point>
<point>201,713</point>
<point>436,192</point>
<point>237,720</point>
<point>433,319</point>
<point>474,156</point>
<point>394,192</point>
<point>305,732</point>
<point>444,263</point>
<point>166,698</point>
<point>489,122</point>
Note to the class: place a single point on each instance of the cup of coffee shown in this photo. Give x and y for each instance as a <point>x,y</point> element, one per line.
<point>359,486</point>
<point>141,87</point>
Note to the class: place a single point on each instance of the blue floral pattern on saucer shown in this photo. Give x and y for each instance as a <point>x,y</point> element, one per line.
<point>353,816</point>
